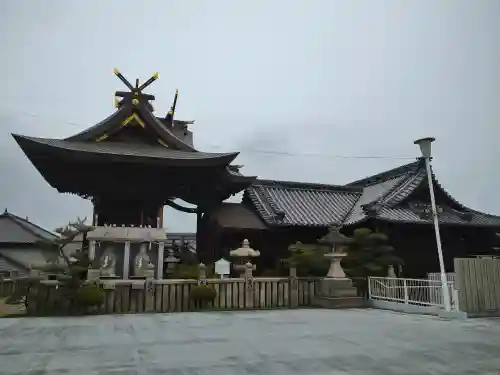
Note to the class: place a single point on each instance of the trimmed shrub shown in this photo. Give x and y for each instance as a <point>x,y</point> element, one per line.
<point>89,296</point>
<point>202,295</point>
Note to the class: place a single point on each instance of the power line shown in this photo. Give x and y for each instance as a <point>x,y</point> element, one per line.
<point>259,151</point>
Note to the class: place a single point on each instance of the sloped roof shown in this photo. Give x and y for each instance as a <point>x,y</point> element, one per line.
<point>286,203</point>
<point>384,196</point>
<point>384,193</point>
<point>389,187</point>
<point>16,230</point>
<point>127,151</point>
<point>406,215</point>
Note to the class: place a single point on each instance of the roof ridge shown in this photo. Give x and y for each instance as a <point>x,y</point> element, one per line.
<point>388,174</point>
<point>128,109</point>
<point>305,185</point>
<point>251,195</point>
<point>25,224</point>
<point>397,193</point>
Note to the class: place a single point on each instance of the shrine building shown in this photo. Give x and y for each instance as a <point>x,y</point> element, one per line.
<point>133,163</point>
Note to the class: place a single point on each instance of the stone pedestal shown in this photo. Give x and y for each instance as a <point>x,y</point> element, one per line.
<point>330,287</point>
<point>336,271</point>
<point>336,293</point>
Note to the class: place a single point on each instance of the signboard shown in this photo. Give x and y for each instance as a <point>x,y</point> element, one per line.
<point>222,267</point>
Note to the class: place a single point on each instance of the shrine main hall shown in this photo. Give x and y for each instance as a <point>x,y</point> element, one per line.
<point>135,162</point>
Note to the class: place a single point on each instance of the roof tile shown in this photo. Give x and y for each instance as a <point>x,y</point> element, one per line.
<point>282,203</point>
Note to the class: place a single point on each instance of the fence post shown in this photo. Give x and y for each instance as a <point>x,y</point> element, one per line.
<point>249,285</point>
<point>149,291</point>
<point>405,288</point>
<point>293,288</point>
<point>369,280</point>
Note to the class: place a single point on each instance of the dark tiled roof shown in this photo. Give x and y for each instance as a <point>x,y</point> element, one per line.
<point>284,203</point>
<point>447,216</point>
<point>114,122</point>
<point>237,215</point>
<point>387,188</point>
<point>384,196</point>
<point>384,193</point>
<point>122,149</point>
<point>14,229</point>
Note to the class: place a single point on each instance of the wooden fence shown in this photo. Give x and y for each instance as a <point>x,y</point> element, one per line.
<point>478,284</point>
<point>137,296</point>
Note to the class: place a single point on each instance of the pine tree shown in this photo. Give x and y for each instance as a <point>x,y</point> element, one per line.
<point>370,254</point>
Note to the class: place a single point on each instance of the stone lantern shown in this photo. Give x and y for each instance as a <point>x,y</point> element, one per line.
<point>171,261</point>
<point>337,243</point>
<point>244,254</point>
<point>336,290</point>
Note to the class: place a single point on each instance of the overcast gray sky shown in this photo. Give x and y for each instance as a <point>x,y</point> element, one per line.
<point>330,77</point>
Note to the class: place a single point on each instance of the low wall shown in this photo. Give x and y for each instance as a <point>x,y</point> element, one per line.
<point>402,307</point>
<point>137,296</point>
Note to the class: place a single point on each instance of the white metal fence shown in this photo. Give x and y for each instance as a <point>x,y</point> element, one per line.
<point>419,292</point>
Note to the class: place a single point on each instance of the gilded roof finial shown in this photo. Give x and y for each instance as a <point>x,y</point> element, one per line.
<point>149,81</point>
<point>123,79</point>
<point>174,104</point>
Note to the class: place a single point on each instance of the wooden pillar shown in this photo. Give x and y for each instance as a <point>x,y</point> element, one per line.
<point>199,240</point>
<point>160,216</point>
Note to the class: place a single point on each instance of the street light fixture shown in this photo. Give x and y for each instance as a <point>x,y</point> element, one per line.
<point>425,148</point>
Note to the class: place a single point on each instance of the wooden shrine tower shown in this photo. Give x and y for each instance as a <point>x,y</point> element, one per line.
<point>133,163</point>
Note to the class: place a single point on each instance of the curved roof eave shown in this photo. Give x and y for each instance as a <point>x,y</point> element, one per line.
<point>54,146</point>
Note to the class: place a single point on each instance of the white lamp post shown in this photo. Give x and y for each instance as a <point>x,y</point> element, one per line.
<point>425,148</point>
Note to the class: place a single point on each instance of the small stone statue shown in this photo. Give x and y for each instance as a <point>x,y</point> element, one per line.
<point>142,262</point>
<point>108,263</point>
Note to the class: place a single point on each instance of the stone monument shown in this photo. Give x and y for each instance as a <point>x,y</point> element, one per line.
<point>107,263</point>
<point>171,261</point>
<point>119,261</point>
<point>142,262</point>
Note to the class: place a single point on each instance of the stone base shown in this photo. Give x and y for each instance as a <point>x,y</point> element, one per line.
<point>339,302</point>
<point>330,287</point>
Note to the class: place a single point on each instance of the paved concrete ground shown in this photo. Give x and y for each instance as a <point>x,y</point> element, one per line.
<point>355,342</point>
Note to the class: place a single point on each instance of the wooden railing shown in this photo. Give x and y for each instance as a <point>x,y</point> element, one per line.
<point>138,296</point>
